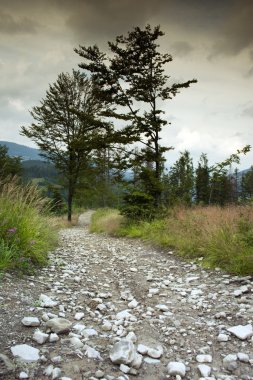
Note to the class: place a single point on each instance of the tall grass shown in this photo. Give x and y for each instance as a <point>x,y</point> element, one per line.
<point>222,237</point>
<point>26,231</point>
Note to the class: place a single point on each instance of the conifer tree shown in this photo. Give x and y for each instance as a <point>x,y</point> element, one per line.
<point>132,80</point>
<point>202,181</point>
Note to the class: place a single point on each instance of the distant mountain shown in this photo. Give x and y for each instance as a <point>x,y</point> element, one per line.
<point>39,169</point>
<point>23,151</point>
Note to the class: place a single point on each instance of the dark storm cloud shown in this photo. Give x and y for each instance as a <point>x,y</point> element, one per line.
<point>16,25</point>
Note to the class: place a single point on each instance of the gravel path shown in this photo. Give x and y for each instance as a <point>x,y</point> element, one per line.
<point>119,296</point>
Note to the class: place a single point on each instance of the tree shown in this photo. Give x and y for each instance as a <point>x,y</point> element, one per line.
<point>9,166</point>
<point>132,81</point>
<point>67,127</point>
<point>247,184</point>
<point>181,180</point>
<point>202,181</point>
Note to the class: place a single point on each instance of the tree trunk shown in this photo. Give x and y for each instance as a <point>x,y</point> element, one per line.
<point>70,199</point>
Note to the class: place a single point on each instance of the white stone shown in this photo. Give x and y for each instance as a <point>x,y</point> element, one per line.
<point>222,338</point>
<point>65,378</point>
<point>229,362</point>
<point>25,352</point>
<point>133,304</point>
<point>57,359</point>
<point>31,321</point>
<point>243,357</point>
<point>204,358</point>
<point>151,360</point>
<point>241,332</point>
<point>204,370</point>
<point>89,332</point>
<point>59,325</point>
<point>153,291</point>
<point>131,336</point>
<point>53,338</point>
<point>133,269</point>
<point>40,337</point>
<point>106,326</point>
<point>155,353</point>
<point>136,363</point>
<point>176,368</point>
<point>23,375</point>
<point>76,342</point>
<point>162,307</point>
<point>123,352</point>
<point>48,370</point>
<point>142,349</point>
<point>79,316</point>
<point>124,368</point>
<point>91,353</point>
<point>124,314</point>
<point>79,327</point>
<point>46,301</point>
<point>56,373</point>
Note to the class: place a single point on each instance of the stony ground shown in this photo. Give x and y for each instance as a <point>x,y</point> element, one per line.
<point>115,297</point>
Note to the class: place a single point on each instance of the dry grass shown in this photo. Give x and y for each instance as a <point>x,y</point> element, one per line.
<point>106,220</point>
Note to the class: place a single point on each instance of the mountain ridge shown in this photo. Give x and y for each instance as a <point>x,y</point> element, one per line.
<point>25,152</point>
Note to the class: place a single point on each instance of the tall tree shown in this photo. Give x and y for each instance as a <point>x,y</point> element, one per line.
<point>67,127</point>
<point>132,80</point>
<point>181,180</point>
<point>247,184</point>
<point>202,181</point>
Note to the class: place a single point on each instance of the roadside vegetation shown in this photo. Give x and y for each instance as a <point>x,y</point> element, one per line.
<point>27,231</point>
<point>214,236</point>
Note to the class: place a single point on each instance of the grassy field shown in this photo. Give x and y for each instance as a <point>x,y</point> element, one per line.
<point>215,236</point>
<point>27,232</point>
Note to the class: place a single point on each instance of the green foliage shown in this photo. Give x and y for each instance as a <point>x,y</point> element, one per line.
<point>132,78</point>
<point>138,206</point>
<point>202,181</point>
<point>247,184</point>
<point>9,166</point>
<point>213,236</point>
<point>67,127</point>
<point>180,181</point>
<point>25,231</point>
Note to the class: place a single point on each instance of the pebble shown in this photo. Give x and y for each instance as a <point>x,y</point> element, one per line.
<point>204,358</point>
<point>40,337</point>
<point>176,368</point>
<point>46,301</point>
<point>241,332</point>
<point>123,352</point>
<point>59,325</point>
<point>31,321</point>
<point>229,362</point>
<point>25,352</point>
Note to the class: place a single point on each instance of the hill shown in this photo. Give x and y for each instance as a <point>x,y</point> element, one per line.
<point>23,151</point>
<point>39,169</point>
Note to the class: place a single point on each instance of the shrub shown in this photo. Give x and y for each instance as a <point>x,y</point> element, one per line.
<point>138,206</point>
<point>26,234</point>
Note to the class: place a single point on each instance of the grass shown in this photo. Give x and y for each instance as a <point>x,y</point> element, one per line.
<point>27,232</point>
<point>221,237</point>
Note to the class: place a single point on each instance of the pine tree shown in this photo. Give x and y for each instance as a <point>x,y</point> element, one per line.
<point>247,184</point>
<point>131,79</point>
<point>202,181</point>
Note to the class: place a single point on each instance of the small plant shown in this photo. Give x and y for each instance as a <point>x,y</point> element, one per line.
<point>138,206</point>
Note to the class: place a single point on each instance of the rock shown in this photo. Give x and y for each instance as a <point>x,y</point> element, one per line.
<point>137,362</point>
<point>89,332</point>
<point>124,368</point>
<point>151,361</point>
<point>243,357</point>
<point>25,352</point>
<point>79,316</point>
<point>99,374</point>
<point>53,338</point>
<point>229,362</point>
<point>59,325</point>
<point>46,301</point>
<point>176,368</point>
<point>106,326</point>
<point>48,370</point>
<point>124,314</point>
<point>23,375</point>
<point>241,332</point>
<point>76,342</point>
<point>204,358</point>
<point>155,353</point>
<point>142,349</point>
<point>222,338</point>
<point>91,353</point>
<point>123,352</point>
<point>31,321</point>
<point>56,359</point>
<point>40,337</point>
<point>133,304</point>
<point>204,370</point>
<point>131,336</point>
<point>162,307</point>
<point>56,373</point>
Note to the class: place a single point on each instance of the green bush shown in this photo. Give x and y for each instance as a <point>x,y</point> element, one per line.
<point>138,206</point>
<point>26,234</point>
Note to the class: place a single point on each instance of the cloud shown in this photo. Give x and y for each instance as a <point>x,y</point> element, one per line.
<point>182,48</point>
<point>16,104</point>
<point>248,112</point>
<point>11,25</point>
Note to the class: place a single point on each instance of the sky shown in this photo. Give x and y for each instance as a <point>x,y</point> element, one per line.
<point>210,40</point>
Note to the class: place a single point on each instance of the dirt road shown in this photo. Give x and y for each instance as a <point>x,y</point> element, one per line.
<point>106,288</point>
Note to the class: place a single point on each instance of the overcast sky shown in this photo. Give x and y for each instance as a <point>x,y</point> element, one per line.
<point>210,40</point>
